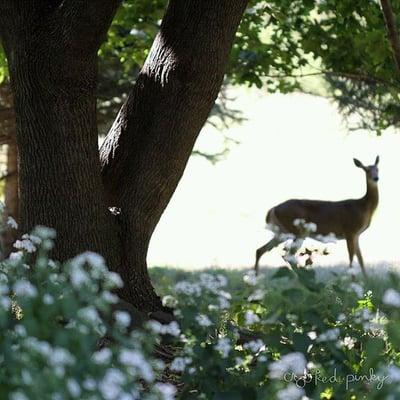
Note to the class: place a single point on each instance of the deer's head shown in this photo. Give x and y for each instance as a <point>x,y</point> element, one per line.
<point>371,171</point>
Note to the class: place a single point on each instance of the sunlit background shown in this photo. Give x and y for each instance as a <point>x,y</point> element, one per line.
<point>292,146</point>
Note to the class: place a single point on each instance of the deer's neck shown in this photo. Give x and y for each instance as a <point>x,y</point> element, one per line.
<point>371,198</point>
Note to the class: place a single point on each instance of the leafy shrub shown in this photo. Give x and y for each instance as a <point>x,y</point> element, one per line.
<point>289,337</point>
<point>51,323</point>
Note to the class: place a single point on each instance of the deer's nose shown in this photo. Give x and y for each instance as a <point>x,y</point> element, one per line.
<point>376,179</point>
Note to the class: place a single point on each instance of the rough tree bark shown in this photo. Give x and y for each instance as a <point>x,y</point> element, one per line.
<point>51,48</point>
<point>392,31</point>
<point>145,153</point>
<point>53,73</point>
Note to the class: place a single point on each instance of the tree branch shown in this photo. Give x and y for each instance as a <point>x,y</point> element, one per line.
<point>392,32</point>
<point>145,153</point>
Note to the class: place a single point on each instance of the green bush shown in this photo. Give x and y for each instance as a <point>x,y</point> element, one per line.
<point>51,324</point>
<point>287,337</point>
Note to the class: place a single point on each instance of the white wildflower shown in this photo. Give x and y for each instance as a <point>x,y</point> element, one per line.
<point>73,388</point>
<point>393,373</point>
<point>111,385</point>
<point>172,328</point>
<point>357,289</point>
<point>329,335</point>
<point>59,371</point>
<point>133,358</point>
<point>291,392</point>
<point>169,301</point>
<point>363,314</point>
<point>284,237</point>
<point>312,335</point>
<point>109,297</point>
<point>36,240</point>
<point>223,346</point>
<point>18,396</point>
<point>25,244</point>
<point>89,384</point>
<point>299,222</point>
<point>24,288</point>
<point>26,377</point>
<point>20,330</point>
<point>94,259</point>
<point>61,356</point>
<point>348,342</point>
<point>78,276</point>
<point>190,289</point>
<point>41,347</point>
<point>225,295</point>
<point>3,289</point>
<point>115,279</point>
<point>203,320</point>
<point>179,363</point>
<point>391,297</point>
<point>292,362</point>
<point>122,318</point>
<point>310,227</point>
<point>330,238</point>
<point>16,256</point>
<point>5,303</point>
<point>254,345</point>
<point>354,270</point>
<point>223,303</point>
<point>48,299</point>
<point>89,314</point>
<point>250,278</point>
<point>250,317</point>
<point>102,356</point>
<point>166,390</point>
<point>257,295</point>
<point>44,232</point>
<point>341,317</point>
<point>12,223</point>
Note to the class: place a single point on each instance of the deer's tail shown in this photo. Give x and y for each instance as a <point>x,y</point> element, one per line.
<point>270,218</point>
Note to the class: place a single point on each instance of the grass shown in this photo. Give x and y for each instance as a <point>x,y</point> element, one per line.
<point>164,278</point>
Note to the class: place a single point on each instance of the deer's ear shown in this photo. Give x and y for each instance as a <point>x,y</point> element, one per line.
<point>358,163</point>
<point>377,160</point>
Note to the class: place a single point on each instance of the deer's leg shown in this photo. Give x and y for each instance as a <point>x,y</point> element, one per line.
<point>359,256</point>
<point>260,252</point>
<point>351,249</point>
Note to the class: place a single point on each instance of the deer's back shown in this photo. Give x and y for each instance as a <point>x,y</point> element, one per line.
<point>338,217</point>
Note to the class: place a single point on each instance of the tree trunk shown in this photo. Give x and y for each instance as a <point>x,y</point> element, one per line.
<point>52,51</point>
<point>54,75</point>
<point>146,151</point>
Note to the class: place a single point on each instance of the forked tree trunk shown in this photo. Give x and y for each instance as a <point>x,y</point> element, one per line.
<point>51,48</point>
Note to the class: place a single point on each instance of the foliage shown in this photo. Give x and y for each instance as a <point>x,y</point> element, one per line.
<point>283,338</point>
<point>279,44</point>
<point>52,318</point>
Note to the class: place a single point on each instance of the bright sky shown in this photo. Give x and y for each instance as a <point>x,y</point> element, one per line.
<point>292,146</point>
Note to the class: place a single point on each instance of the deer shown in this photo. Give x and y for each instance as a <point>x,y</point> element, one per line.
<point>346,219</point>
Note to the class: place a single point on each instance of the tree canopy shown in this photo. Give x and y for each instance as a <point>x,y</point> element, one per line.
<point>278,44</point>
